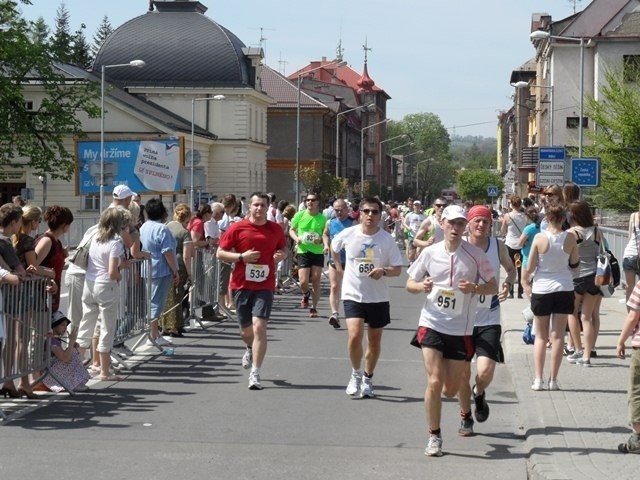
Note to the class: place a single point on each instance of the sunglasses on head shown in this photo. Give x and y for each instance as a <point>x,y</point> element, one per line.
<point>368,211</point>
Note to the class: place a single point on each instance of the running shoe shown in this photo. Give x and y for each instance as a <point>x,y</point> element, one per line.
<point>304,303</point>
<point>567,350</point>
<point>366,388</point>
<point>254,381</point>
<point>354,383</point>
<point>313,313</point>
<point>247,359</point>
<point>553,385</point>
<point>538,385</point>
<point>434,446</point>
<point>334,320</point>
<point>482,407</point>
<point>574,357</point>
<point>585,362</point>
<point>466,427</point>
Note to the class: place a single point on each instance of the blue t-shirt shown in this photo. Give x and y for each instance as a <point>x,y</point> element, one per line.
<point>530,231</point>
<point>335,227</point>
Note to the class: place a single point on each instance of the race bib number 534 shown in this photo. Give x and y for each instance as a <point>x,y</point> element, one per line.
<point>256,273</point>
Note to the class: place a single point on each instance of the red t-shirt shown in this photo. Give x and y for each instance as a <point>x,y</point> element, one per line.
<point>244,235</point>
<point>197,225</point>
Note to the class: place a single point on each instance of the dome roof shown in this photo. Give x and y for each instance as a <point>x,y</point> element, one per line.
<point>180,46</point>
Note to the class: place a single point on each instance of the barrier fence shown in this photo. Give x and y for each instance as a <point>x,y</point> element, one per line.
<point>27,323</point>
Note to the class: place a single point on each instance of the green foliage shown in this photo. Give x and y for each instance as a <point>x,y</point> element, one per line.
<point>325,184</point>
<point>62,40</point>
<point>616,141</point>
<point>473,184</point>
<point>37,138</point>
<point>104,30</point>
<point>81,50</point>
<point>473,152</point>
<point>428,133</point>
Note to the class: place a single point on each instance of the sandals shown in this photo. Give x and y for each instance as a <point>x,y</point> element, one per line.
<point>111,378</point>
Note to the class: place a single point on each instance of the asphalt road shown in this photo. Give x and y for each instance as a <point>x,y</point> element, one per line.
<point>191,415</point>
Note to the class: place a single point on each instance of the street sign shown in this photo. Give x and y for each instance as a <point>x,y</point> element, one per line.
<point>492,191</point>
<point>585,172</point>
<point>550,166</point>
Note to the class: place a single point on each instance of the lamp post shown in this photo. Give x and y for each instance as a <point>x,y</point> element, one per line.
<point>338,133</point>
<point>132,63</point>
<point>192,160</point>
<point>335,64</point>
<point>523,84</point>
<point>362,152</point>
<point>542,35</point>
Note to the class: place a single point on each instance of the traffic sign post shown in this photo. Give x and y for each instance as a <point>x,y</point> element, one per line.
<point>492,191</point>
<point>585,172</point>
<point>550,166</point>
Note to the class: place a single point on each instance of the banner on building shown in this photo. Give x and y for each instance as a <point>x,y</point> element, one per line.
<point>146,166</point>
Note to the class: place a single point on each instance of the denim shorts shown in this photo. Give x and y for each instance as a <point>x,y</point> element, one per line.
<point>630,264</point>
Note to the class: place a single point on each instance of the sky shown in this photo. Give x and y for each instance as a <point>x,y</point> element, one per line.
<point>453,58</point>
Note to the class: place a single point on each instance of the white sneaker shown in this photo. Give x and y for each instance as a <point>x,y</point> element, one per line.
<point>366,388</point>
<point>254,381</point>
<point>574,357</point>
<point>247,359</point>
<point>354,383</point>
<point>553,385</point>
<point>434,446</point>
<point>538,385</point>
<point>162,342</point>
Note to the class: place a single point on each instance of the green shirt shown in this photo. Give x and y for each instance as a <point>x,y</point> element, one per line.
<point>309,229</point>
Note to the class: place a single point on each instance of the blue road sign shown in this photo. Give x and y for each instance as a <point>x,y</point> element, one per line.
<point>492,191</point>
<point>585,171</point>
<point>551,153</point>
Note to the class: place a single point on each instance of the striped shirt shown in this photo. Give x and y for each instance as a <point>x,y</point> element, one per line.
<point>634,304</point>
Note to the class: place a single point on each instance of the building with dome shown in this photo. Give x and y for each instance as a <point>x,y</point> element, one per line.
<point>197,96</point>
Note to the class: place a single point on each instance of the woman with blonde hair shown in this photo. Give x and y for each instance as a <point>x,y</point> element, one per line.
<point>100,294</point>
<point>172,319</point>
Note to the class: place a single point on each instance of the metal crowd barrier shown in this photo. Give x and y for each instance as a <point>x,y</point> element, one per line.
<point>135,302</point>
<point>286,279</point>
<point>26,347</point>
<point>204,294</point>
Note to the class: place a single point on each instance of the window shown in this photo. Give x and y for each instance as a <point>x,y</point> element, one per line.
<point>91,202</point>
<point>631,68</point>
<point>573,122</point>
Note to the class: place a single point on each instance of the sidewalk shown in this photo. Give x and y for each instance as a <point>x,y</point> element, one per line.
<point>573,433</point>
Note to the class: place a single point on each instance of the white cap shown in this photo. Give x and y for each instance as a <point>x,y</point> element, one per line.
<point>122,191</point>
<point>453,212</point>
<point>417,202</point>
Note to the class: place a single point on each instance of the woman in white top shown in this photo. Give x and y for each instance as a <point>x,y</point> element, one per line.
<point>513,224</point>
<point>631,252</point>
<point>553,257</point>
<point>100,294</point>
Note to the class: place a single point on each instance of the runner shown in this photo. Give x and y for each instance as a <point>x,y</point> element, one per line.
<point>306,230</point>
<point>255,245</point>
<point>331,229</point>
<point>487,330</point>
<point>371,255</point>
<point>454,274</point>
<point>430,230</point>
<point>411,224</point>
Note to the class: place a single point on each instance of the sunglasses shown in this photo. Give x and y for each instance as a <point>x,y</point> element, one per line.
<point>311,199</point>
<point>439,205</point>
<point>367,211</point>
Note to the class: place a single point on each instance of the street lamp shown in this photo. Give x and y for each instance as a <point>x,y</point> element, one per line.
<point>362,152</point>
<point>523,84</point>
<point>192,159</point>
<point>368,107</point>
<point>132,63</point>
<point>542,35</point>
<point>335,64</point>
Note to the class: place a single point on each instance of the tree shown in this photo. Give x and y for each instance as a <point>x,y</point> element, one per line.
<point>434,176</point>
<point>34,134</point>
<point>81,49</point>
<point>473,184</point>
<point>324,184</point>
<point>104,30</point>
<point>39,31</point>
<point>62,40</point>
<point>616,141</point>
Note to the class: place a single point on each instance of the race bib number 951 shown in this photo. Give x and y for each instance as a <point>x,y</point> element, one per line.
<point>447,301</point>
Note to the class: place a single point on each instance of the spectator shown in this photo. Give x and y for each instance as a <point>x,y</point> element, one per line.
<point>100,294</point>
<point>196,225</point>
<point>630,257</point>
<point>159,242</point>
<point>513,224</point>
<point>49,247</point>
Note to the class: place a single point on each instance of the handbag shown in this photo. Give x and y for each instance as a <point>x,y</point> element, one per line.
<point>80,257</point>
<point>604,278</point>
